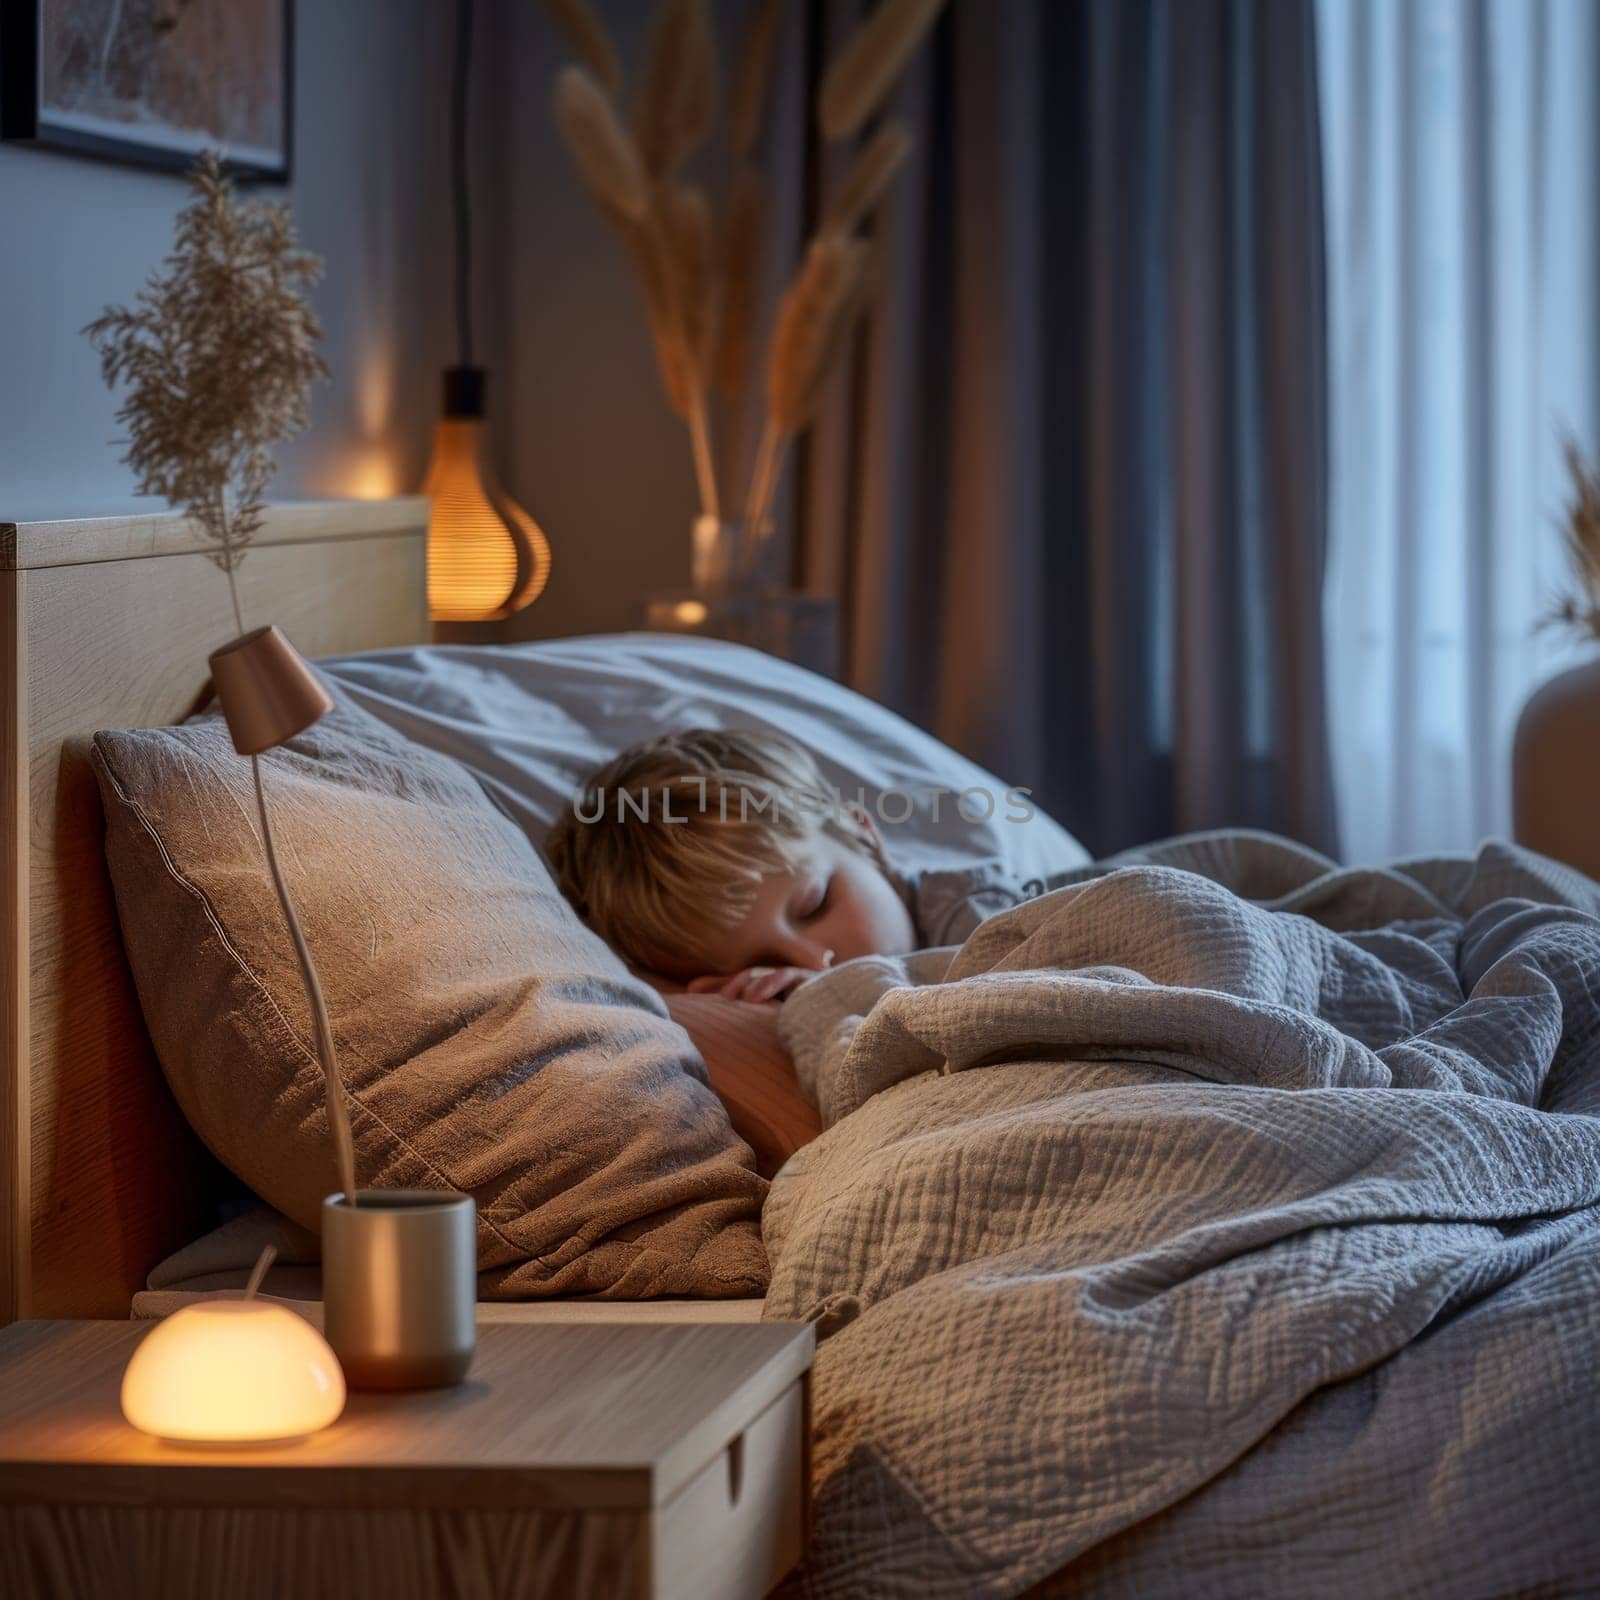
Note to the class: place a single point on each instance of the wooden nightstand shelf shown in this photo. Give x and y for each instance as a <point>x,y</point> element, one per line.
<point>576,1460</point>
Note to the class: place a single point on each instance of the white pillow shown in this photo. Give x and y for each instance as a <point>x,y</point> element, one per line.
<point>534,720</point>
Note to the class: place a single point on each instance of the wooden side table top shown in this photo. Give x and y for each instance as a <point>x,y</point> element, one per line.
<point>552,1415</point>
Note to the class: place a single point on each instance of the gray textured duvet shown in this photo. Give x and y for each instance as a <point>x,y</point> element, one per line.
<point>1171,1240</point>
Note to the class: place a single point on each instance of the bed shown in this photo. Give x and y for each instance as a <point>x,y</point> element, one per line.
<point>1224,1222</point>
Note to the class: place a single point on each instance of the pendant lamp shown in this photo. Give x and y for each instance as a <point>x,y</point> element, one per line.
<point>486,556</point>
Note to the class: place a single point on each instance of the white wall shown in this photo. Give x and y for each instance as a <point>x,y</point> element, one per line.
<point>369,196</point>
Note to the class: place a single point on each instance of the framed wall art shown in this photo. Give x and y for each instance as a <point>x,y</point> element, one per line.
<point>152,82</point>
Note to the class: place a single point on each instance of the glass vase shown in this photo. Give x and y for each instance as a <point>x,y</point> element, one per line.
<point>737,592</point>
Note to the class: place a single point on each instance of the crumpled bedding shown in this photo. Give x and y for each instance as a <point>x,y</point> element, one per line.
<point>1221,1223</point>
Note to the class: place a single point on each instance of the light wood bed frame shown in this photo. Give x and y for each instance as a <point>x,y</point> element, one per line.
<point>104,624</point>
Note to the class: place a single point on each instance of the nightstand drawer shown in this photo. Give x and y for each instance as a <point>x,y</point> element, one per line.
<point>739,1526</point>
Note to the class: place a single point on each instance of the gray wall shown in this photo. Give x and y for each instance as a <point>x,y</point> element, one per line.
<point>586,439</point>
<point>369,196</point>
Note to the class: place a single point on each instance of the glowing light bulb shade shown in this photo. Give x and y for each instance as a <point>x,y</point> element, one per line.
<point>486,556</point>
<point>232,1372</point>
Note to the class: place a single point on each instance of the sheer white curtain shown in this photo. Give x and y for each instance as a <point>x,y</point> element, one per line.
<point>1462,163</point>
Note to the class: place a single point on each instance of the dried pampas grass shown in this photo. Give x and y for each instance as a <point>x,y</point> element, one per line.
<point>676,101</point>
<point>868,179</point>
<point>695,283</point>
<point>219,352</point>
<point>689,227</point>
<point>747,100</point>
<point>866,274</point>
<point>651,250</point>
<point>804,342</point>
<point>697,107</point>
<point>1580,532</point>
<point>865,70</point>
<point>590,42</point>
<point>806,318</point>
<point>655,101</point>
<point>741,261</point>
<point>671,265</point>
<point>605,154</point>
<point>700,301</point>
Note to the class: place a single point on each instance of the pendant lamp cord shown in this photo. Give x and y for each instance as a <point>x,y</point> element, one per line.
<point>458,179</point>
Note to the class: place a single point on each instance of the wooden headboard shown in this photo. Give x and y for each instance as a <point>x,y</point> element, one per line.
<point>106,624</point>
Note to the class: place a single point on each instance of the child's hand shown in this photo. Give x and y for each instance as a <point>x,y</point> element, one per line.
<point>755,984</point>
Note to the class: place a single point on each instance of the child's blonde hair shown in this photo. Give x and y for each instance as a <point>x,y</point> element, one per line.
<point>678,833</point>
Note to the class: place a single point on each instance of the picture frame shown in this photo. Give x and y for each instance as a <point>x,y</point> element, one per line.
<point>152,83</point>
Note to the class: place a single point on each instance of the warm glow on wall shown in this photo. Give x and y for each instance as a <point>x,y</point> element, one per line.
<point>232,1372</point>
<point>372,476</point>
<point>486,556</point>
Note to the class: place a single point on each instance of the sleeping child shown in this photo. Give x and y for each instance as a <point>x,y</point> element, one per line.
<point>723,860</point>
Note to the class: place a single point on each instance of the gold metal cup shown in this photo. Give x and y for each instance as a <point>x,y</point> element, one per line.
<point>399,1282</point>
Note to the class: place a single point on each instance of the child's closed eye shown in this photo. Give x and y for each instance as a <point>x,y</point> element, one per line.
<point>816,902</point>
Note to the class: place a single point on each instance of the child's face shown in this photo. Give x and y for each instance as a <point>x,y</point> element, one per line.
<point>836,900</point>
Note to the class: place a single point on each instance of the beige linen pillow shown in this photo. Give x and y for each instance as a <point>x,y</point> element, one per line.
<point>487,1041</point>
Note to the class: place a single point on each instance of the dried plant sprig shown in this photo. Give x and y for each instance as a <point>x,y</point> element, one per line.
<point>669,239</point>
<point>694,283</point>
<point>803,344</point>
<point>590,42</point>
<point>604,151</point>
<point>700,308</point>
<point>697,110</point>
<point>676,100</point>
<point>689,226</point>
<point>868,179</point>
<point>651,250</point>
<point>1579,608</point>
<point>681,365</point>
<point>674,108</point>
<point>865,70</point>
<point>805,323</point>
<point>752,74</point>
<point>219,351</point>
<point>655,101</point>
<point>741,261</point>
<point>705,471</point>
<point>864,280</point>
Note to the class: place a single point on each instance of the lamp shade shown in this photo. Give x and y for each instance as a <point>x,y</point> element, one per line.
<point>486,556</point>
<point>232,1372</point>
<point>268,693</point>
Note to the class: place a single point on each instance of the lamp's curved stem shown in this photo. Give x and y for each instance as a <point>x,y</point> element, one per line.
<point>338,1121</point>
<point>269,1254</point>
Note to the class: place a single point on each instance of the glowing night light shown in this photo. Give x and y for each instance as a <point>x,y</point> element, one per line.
<point>232,1372</point>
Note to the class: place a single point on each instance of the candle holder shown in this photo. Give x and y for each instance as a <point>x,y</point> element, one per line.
<point>399,1282</point>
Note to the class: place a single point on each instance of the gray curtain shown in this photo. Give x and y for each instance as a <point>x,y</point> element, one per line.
<point>1073,493</point>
